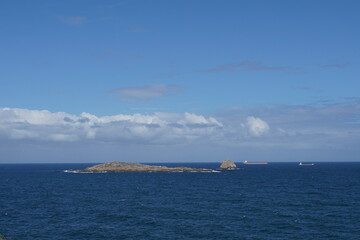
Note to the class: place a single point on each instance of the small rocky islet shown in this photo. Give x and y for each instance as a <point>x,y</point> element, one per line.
<point>227,165</point>
<point>137,167</point>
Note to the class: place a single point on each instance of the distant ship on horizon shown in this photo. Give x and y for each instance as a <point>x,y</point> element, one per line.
<point>254,163</point>
<point>306,164</point>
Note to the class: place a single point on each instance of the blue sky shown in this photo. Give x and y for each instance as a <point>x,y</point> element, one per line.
<point>262,80</point>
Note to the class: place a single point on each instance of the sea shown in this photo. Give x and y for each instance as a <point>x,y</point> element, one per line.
<point>274,201</point>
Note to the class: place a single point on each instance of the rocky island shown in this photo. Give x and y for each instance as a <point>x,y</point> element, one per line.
<point>135,167</point>
<point>228,165</point>
<point>2,237</point>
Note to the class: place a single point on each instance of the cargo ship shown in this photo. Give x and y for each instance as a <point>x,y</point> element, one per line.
<point>306,164</point>
<point>254,163</point>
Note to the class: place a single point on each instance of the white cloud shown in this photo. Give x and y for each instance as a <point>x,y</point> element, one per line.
<point>147,92</point>
<point>257,127</point>
<point>159,128</point>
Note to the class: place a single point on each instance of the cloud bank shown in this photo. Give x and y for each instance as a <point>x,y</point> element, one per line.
<point>327,132</point>
<point>159,128</point>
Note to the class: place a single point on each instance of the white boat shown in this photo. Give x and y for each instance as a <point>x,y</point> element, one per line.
<point>254,163</point>
<point>306,164</point>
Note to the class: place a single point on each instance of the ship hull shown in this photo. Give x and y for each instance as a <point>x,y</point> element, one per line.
<point>255,163</point>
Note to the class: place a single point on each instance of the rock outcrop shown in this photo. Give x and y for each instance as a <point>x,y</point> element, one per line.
<point>135,167</point>
<point>227,164</point>
<point>2,237</point>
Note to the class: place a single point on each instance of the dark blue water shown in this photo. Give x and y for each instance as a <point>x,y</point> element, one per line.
<point>275,201</point>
